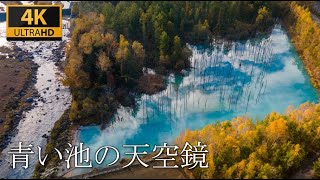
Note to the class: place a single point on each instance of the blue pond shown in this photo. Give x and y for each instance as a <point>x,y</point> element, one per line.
<point>251,78</point>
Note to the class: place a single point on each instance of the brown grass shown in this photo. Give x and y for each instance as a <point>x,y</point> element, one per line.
<point>13,77</point>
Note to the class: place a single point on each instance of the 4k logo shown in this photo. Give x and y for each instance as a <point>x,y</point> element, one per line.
<point>27,16</point>
<point>34,22</point>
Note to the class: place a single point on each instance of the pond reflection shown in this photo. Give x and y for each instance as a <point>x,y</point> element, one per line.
<point>226,80</point>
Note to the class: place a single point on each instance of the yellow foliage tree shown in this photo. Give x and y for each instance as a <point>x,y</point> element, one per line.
<point>104,63</point>
<point>123,51</point>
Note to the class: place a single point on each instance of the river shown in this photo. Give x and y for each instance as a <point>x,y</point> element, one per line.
<point>251,78</point>
<point>47,109</point>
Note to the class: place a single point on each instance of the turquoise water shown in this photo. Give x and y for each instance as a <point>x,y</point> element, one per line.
<point>250,78</point>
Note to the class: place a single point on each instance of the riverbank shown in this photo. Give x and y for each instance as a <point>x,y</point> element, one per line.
<point>17,78</point>
<point>48,104</point>
<point>62,133</point>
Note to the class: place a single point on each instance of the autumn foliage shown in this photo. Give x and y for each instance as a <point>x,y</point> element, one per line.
<point>271,148</point>
<point>305,33</point>
<point>97,62</point>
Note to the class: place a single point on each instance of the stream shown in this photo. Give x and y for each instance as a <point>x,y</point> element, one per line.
<point>47,109</point>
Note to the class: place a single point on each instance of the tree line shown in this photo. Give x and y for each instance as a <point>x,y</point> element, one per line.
<point>304,33</point>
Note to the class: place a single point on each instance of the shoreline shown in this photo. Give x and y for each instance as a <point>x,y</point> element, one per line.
<point>310,67</point>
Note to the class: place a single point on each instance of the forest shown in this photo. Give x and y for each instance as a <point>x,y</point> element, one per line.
<point>274,147</point>
<point>112,42</point>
